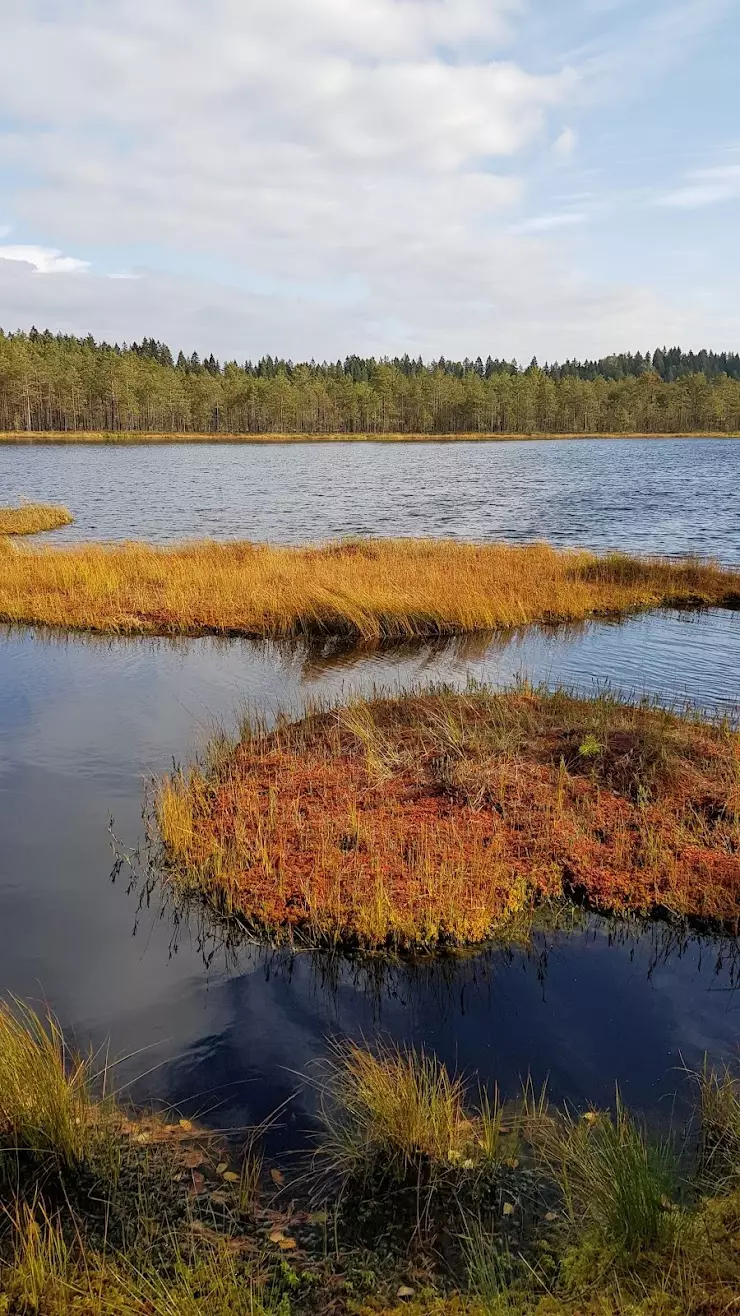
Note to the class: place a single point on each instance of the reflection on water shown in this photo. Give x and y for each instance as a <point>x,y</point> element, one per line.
<point>84,723</point>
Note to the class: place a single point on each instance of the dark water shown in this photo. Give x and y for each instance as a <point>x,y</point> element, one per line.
<point>84,723</point>
<point>669,496</point>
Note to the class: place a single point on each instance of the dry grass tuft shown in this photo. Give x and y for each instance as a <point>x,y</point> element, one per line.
<point>32,518</point>
<point>366,589</point>
<point>439,817</point>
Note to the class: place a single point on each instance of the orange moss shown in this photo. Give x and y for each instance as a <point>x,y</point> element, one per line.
<point>436,818</point>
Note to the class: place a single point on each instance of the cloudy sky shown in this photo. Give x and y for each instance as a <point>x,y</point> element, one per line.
<point>316,177</point>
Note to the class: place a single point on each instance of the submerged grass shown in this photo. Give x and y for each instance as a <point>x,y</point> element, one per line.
<point>438,817</point>
<point>366,589</point>
<point>32,518</point>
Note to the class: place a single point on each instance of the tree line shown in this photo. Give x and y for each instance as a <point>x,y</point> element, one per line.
<point>59,382</point>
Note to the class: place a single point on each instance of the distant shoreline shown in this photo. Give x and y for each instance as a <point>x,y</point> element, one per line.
<point>133,437</point>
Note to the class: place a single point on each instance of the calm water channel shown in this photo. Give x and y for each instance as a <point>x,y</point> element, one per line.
<point>83,723</point>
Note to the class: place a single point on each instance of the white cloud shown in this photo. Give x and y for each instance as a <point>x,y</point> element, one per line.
<point>705,187</point>
<point>351,167</point>
<point>548,223</point>
<point>44,260</point>
<point>565,144</point>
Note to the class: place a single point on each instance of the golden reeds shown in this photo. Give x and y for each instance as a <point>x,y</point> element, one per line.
<point>333,436</point>
<point>367,589</point>
<point>32,518</point>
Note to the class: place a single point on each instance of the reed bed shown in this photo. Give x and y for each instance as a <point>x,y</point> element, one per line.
<point>438,818</point>
<point>33,518</point>
<point>367,590</point>
<point>155,436</point>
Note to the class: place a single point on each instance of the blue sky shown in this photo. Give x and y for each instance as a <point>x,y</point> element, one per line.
<point>315,177</point>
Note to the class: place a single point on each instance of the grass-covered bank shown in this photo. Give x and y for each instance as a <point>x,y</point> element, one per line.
<point>437,817</point>
<point>338,436</point>
<point>364,589</point>
<point>33,518</point>
<point>424,1194</point>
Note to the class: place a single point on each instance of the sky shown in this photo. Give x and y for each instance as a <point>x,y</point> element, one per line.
<point>311,178</point>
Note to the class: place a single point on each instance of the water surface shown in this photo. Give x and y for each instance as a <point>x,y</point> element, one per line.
<point>84,723</point>
<point>650,496</point>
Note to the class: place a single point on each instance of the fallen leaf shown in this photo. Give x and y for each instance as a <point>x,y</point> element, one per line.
<point>508,1209</point>
<point>404,1292</point>
<point>277,1177</point>
<point>287,1244</point>
<point>551,1215</point>
<point>318,1218</point>
<point>277,1236</point>
<point>192,1159</point>
<point>590,1117</point>
<point>222,1167</point>
<point>186,1125</point>
<point>199,1182</point>
<point>230,1177</point>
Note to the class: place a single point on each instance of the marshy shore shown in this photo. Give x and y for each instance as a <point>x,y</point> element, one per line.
<point>422,1195</point>
<point>440,819</point>
<point>187,436</point>
<point>367,590</point>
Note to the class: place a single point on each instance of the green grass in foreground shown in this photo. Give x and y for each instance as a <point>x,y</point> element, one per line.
<point>423,1196</point>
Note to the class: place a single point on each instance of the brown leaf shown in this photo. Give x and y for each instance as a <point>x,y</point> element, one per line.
<point>277,1236</point>
<point>186,1125</point>
<point>192,1159</point>
<point>199,1182</point>
<point>277,1177</point>
<point>287,1244</point>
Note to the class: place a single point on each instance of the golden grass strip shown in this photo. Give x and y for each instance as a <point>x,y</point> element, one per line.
<point>368,590</point>
<point>32,518</point>
<point>149,437</point>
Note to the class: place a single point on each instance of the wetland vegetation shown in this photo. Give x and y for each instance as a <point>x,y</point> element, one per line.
<point>421,1195</point>
<point>33,518</point>
<point>361,589</point>
<point>438,817</point>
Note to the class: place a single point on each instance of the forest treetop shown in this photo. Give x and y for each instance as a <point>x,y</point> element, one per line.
<point>52,382</point>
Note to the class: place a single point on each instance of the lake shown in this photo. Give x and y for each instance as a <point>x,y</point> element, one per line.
<point>650,496</point>
<point>84,723</point>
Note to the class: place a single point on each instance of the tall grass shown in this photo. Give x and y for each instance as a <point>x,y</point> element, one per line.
<point>32,518</point>
<point>46,1091</point>
<point>615,1178</point>
<point>719,1111</point>
<point>369,590</point>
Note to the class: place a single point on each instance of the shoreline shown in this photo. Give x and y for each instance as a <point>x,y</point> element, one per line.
<point>119,438</point>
